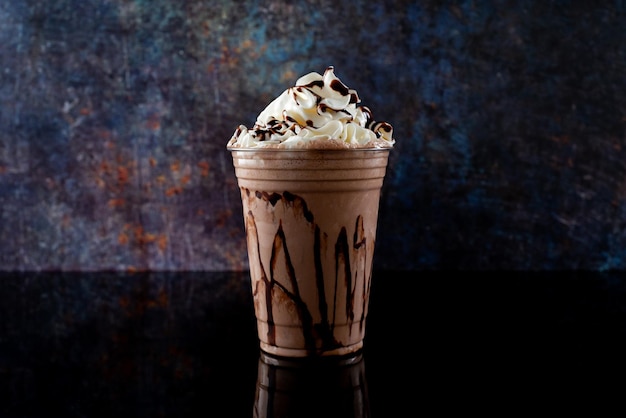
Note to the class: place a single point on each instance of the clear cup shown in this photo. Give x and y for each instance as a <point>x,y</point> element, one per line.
<point>310,219</point>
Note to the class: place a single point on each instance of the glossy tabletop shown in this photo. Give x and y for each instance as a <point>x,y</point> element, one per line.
<point>179,344</point>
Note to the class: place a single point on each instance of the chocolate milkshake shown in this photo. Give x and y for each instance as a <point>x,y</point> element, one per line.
<point>310,174</point>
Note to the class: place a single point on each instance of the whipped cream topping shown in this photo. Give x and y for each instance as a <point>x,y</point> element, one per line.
<point>318,112</point>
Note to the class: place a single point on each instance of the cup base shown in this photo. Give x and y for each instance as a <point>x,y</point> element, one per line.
<point>296,352</point>
<point>304,362</point>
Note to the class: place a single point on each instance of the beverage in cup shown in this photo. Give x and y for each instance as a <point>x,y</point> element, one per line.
<point>310,173</point>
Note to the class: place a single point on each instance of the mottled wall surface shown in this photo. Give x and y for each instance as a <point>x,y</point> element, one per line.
<point>510,120</point>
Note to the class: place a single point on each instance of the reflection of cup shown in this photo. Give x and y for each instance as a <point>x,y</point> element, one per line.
<point>321,387</point>
<point>310,218</point>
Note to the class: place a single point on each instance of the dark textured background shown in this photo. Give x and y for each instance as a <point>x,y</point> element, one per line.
<point>510,120</point>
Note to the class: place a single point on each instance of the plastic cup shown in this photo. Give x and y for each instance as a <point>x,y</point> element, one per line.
<point>310,219</point>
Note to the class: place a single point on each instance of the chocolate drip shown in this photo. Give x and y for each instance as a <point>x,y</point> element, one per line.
<point>295,96</point>
<point>323,329</point>
<point>377,127</point>
<point>280,243</point>
<point>385,126</point>
<point>272,198</point>
<point>316,83</point>
<point>366,294</point>
<point>339,87</point>
<point>347,114</point>
<point>252,232</point>
<point>368,113</point>
<point>361,241</point>
<point>342,256</point>
<point>299,203</point>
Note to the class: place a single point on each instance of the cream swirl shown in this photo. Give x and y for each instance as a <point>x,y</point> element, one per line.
<point>317,111</point>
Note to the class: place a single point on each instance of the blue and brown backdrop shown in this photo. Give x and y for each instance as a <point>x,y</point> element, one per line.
<point>509,116</point>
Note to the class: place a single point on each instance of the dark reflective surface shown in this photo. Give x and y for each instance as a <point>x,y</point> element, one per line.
<point>185,344</point>
<point>322,387</point>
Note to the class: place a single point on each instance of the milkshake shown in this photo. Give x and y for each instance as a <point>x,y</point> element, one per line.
<point>310,173</point>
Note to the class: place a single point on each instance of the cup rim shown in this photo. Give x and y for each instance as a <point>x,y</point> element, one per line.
<point>263,149</point>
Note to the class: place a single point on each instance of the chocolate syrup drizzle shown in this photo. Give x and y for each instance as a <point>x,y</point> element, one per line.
<point>275,126</point>
<point>322,331</point>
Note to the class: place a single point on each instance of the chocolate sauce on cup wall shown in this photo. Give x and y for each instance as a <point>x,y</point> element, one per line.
<point>324,329</point>
<point>310,220</point>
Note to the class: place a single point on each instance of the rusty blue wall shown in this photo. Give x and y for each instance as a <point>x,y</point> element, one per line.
<point>510,120</point>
